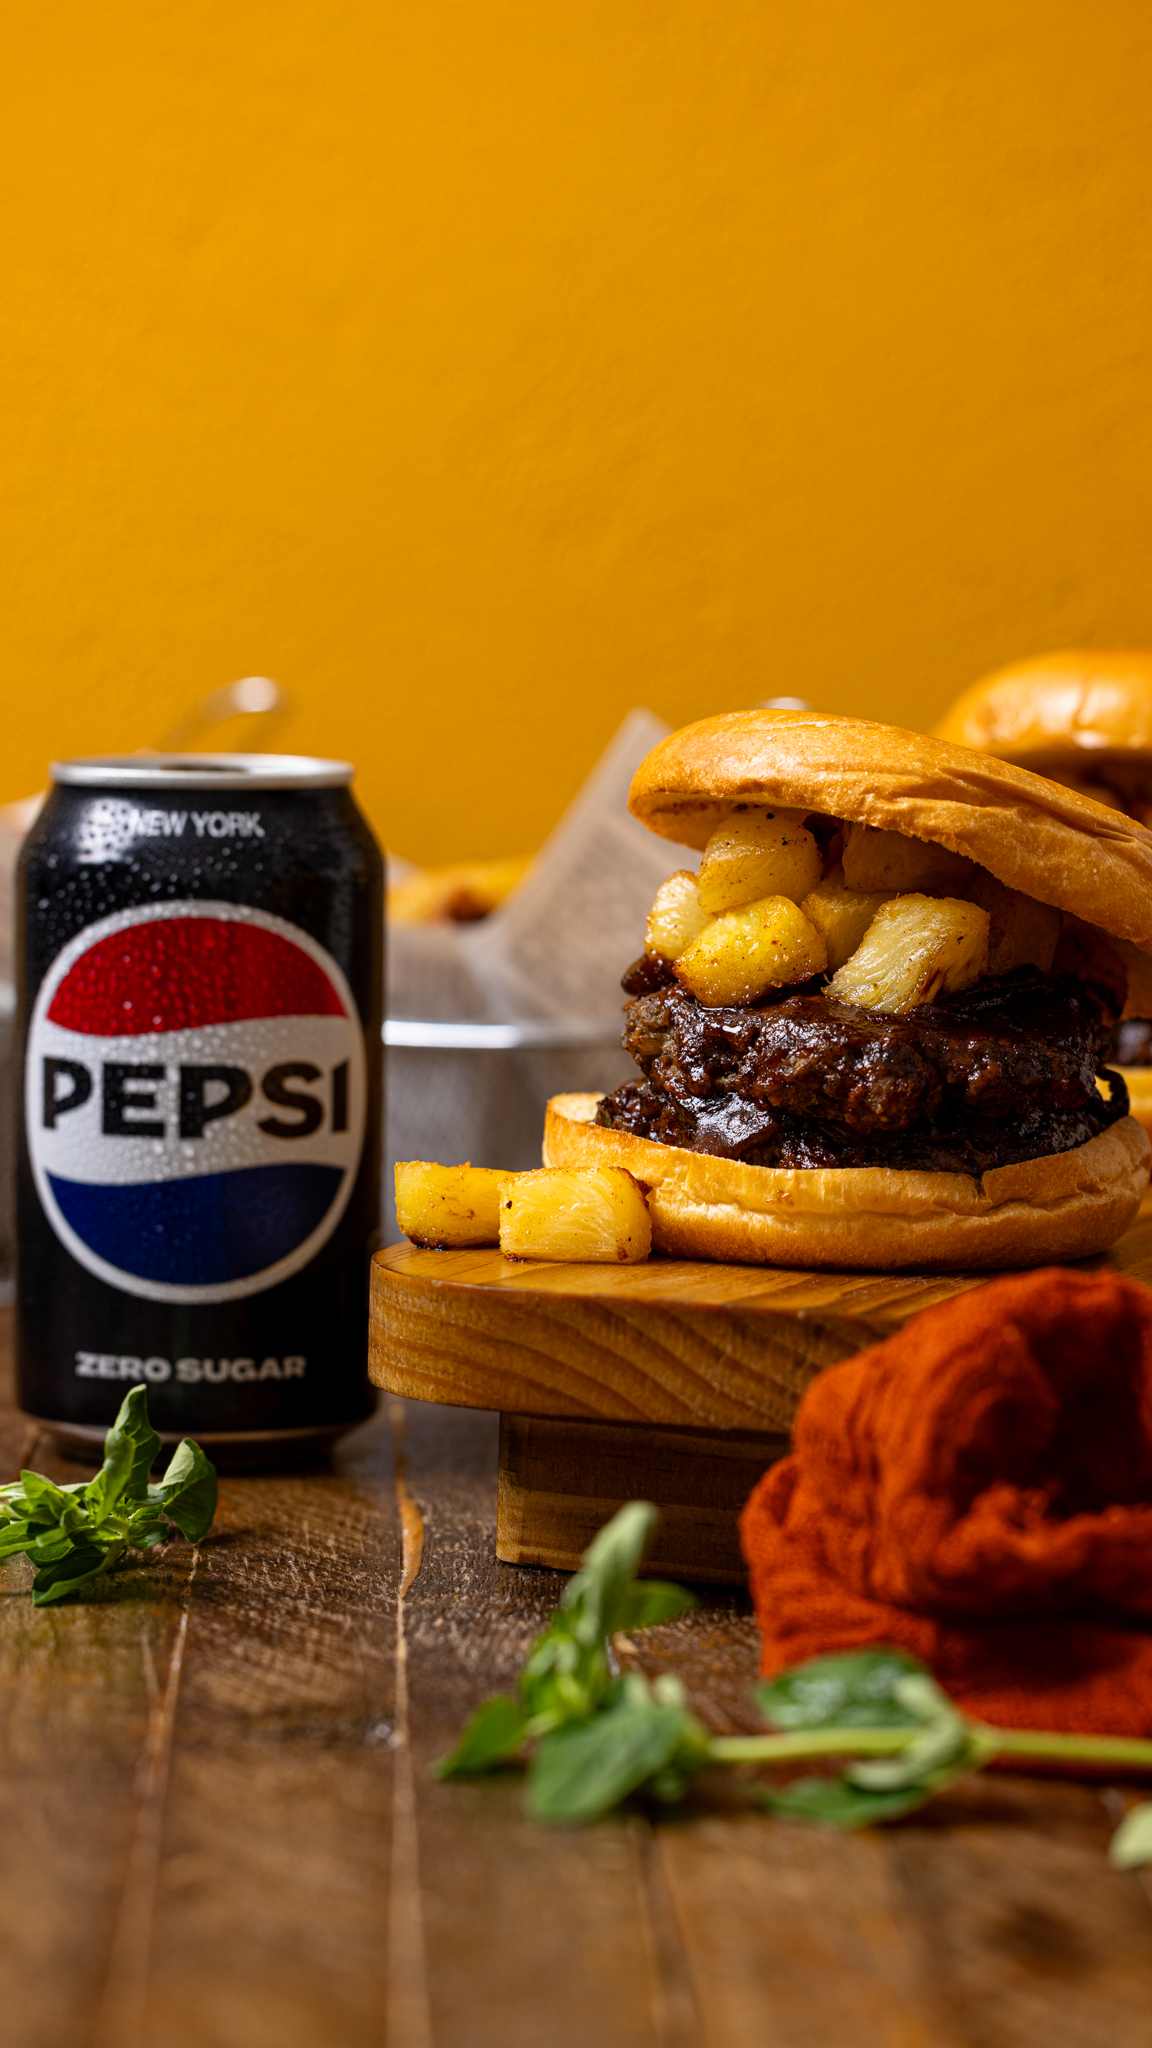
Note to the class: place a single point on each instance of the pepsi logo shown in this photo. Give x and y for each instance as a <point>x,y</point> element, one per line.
<point>194,1099</point>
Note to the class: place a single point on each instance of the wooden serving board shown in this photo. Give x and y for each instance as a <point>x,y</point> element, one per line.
<point>676,1381</point>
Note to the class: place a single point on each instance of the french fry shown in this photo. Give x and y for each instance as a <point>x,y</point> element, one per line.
<point>758,854</point>
<point>743,954</point>
<point>841,915</point>
<point>915,950</point>
<point>595,1217</point>
<point>677,916</point>
<point>890,862</point>
<point>461,894</point>
<point>444,1207</point>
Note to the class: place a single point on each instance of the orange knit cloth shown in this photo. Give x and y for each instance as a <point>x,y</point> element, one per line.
<point>978,1490</point>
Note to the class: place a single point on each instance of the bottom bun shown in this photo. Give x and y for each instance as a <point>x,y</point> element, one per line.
<point>868,1218</point>
<point>1138,1081</point>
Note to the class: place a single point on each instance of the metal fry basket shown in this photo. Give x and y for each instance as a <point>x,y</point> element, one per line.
<point>477,1091</point>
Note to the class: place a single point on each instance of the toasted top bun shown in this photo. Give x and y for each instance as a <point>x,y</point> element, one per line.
<point>1036,711</point>
<point>1033,835</point>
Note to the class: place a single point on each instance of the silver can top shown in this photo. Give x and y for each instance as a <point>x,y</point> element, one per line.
<point>202,771</point>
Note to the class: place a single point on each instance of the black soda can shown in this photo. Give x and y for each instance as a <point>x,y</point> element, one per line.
<point>198,1182</point>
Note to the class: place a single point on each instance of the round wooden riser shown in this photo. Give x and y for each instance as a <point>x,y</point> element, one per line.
<point>675,1381</point>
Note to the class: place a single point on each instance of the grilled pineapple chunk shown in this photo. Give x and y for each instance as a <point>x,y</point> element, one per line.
<point>758,854</point>
<point>1022,932</point>
<point>746,952</point>
<point>915,949</point>
<point>890,862</point>
<point>841,915</point>
<point>677,916</point>
<point>443,1207</point>
<point>595,1217</point>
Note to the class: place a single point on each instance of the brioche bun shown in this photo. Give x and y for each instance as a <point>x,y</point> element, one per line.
<point>1036,836</point>
<point>866,1218</point>
<point>1038,712</point>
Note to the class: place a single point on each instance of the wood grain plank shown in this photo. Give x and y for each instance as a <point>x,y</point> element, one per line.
<point>1025,1933</point>
<point>990,1920</point>
<point>251,1905</point>
<point>77,1693</point>
<point>560,1481</point>
<point>671,1341</point>
<point>551,1354</point>
<point>703,1281</point>
<point>792,1938</point>
<point>273,1878</point>
<point>77,1699</point>
<point>532,1936</point>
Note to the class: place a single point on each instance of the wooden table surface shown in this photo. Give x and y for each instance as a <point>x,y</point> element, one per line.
<point>219,1830</point>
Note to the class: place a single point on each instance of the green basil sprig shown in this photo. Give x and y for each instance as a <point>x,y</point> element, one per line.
<point>73,1533</point>
<point>597,1735</point>
<point>591,1736</point>
<point>872,1689</point>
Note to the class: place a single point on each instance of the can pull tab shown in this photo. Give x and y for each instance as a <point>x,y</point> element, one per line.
<point>255,697</point>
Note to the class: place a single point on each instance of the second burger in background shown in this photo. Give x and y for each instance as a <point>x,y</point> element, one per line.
<point>1082,717</point>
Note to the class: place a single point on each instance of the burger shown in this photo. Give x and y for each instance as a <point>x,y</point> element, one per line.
<point>1084,719</point>
<point>873,1031</point>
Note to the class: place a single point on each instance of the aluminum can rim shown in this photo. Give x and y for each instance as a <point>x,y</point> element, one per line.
<point>147,770</point>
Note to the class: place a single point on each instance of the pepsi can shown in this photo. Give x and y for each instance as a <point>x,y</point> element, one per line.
<point>200,995</point>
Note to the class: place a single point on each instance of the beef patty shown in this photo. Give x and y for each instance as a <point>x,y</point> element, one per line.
<point>1004,1071</point>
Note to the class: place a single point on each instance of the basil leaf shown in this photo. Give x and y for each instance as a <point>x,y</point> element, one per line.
<point>81,1563</point>
<point>564,1679</point>
<point>582,1771</point>
<point>834,1803</point>
<point>861,1689</point>
<point>13,1492</point>
<point>649,1601</point>
<point>187,1493</point>
<point>628,1735</point>
<point>1131,1845</point>
<point>73,1532</point>
<point>77,1522</point>
<point>46,1501</point>
<point>494,1734</point>
<point>131,1448</point>
<point>597,1594</point>
<point>45,1545</point>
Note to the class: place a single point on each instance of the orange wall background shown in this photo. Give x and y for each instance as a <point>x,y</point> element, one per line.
<point>479,368</point>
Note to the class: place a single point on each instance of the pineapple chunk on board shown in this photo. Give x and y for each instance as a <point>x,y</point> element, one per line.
<point>746,952</point>
<point>677,916</point>
<point>915,949</point>
<point>761,853</point>
<point>842,915</point>
<point>445,1207</point>
<point>891,862</point>
<point>595,1217</point>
